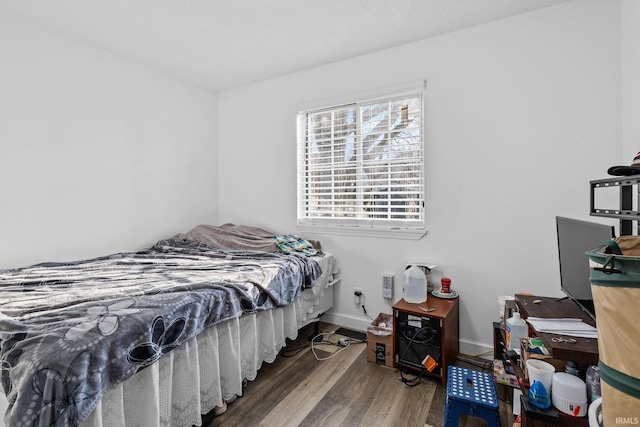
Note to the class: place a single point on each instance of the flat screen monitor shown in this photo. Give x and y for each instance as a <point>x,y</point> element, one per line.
<point>575,237</point>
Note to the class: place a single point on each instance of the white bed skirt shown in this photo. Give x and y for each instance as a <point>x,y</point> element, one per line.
<point>209,369</point>
<point>195,377</point>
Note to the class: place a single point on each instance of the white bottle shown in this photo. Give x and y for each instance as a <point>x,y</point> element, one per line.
<point>516,329</point>
<point>414,286</point>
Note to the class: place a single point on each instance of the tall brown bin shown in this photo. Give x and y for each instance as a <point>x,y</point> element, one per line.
<point>615,285</point>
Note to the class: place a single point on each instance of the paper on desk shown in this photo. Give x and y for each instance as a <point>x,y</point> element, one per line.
<point>563,326</point>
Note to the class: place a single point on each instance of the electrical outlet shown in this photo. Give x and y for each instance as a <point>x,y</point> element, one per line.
<point>357,294</point>
<point>387,286</point>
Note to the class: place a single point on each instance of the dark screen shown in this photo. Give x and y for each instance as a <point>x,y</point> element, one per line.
<point>576,237</point>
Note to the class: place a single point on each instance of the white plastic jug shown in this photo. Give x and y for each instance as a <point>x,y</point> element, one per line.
<point>516,329</point>
<point>414,285</point>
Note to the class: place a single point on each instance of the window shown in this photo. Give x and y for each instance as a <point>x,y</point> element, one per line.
<point>361,166</point>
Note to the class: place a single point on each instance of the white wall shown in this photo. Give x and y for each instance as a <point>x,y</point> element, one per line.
<point>520,115</point>
<point>630,80</point>
<point>98,154</point>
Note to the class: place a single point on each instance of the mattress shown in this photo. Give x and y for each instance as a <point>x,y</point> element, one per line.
<point>272,314</point>
<point>210,369</point>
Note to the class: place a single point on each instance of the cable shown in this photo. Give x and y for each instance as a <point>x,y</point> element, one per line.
<point>290,352</point>
<point>486,365</point>
<point>412,382</point>
<point>478,354</point>
<point>365,311</point>
<point>293,351</point>
<point>359,301</point>
<point>342,342</point>
<point>344,347</point>
<point>415,336</point>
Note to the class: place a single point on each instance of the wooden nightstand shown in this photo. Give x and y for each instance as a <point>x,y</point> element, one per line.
<point>418,333</point>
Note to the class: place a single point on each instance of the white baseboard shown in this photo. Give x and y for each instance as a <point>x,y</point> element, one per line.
<point>351,322</point>
<point>477,350</point>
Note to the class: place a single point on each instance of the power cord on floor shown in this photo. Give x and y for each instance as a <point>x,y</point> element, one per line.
<point>293,351</point>
<point>344,343</point>
<point>319,339</point>
<point>412,382</point>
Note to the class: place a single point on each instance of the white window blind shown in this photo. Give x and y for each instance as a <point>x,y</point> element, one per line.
<point>362,164</point>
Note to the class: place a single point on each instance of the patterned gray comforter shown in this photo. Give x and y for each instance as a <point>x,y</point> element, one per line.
<point>69,331</point>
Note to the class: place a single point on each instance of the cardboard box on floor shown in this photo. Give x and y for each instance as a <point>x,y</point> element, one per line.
<point>380,340</point>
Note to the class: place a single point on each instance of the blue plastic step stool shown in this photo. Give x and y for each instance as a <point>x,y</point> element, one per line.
<point>473,393</point>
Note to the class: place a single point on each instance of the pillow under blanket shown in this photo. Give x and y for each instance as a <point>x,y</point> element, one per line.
<point>236,237</point>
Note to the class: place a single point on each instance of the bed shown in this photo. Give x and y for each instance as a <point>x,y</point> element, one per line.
<point>156,337</point>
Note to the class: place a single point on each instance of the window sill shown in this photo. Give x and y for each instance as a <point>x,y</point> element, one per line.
<point>363,231</point>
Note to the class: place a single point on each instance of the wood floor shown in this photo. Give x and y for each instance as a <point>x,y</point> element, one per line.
<point>343,390</point>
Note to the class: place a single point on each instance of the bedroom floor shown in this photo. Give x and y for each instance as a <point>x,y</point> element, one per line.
<point>343,390</point>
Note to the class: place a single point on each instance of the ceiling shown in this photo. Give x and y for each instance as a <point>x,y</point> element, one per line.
<point>223,44</point>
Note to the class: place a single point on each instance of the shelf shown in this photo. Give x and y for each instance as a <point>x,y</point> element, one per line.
<point>584,352</point>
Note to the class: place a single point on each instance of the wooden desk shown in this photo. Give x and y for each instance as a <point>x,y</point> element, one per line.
<point>584,352</point>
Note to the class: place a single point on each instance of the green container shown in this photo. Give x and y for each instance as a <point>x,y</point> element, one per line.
<point>615,286</point>
<point>616,264</point>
